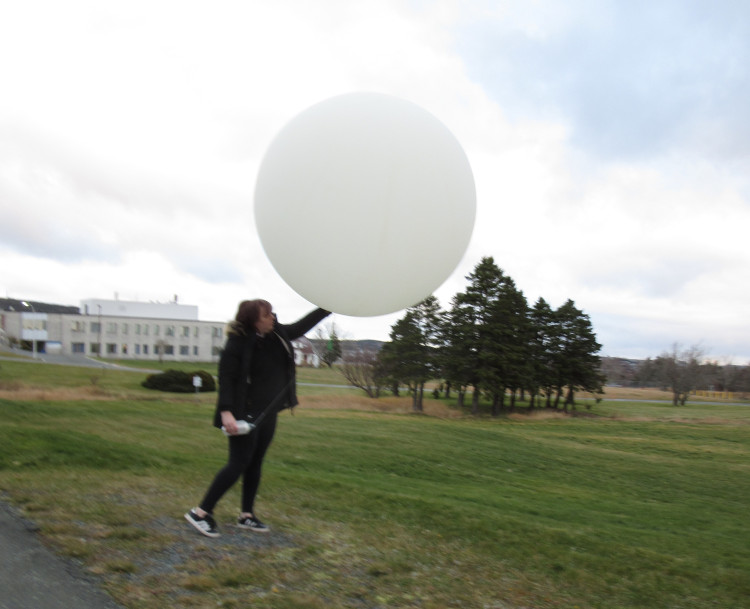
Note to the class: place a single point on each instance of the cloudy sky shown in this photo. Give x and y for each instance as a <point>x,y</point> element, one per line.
<point>609,140</point>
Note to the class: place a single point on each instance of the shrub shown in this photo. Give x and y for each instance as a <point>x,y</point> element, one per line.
<point>178,381</point>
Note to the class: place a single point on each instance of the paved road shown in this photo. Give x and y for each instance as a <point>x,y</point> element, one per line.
<point>33,577</point>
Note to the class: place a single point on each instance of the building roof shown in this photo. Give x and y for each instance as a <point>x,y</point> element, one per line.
<point>12,304</point>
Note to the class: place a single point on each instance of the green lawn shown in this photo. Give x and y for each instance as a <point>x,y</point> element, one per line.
<point>634,506</point>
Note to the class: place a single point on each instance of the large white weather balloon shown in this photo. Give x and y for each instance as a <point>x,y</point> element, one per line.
<point>365,204</point>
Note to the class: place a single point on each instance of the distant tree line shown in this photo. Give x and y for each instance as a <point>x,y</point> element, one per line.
<point>490,345</point>
<point>680,371</point>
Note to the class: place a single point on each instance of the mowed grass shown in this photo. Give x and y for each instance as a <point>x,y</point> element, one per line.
<point>633,506</point>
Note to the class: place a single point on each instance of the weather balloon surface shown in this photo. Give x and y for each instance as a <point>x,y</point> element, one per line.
<point>365,204</point>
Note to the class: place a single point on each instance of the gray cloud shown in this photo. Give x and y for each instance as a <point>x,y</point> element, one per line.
<point>40,216</point>
<point>639,80</point>
<point>211,269</point>
<point>640,337</point>
<point>39,236</point>
<point>62,204</point>
<point>660,276</point>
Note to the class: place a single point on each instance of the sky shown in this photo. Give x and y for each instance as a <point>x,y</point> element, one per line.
<point>609,142</point>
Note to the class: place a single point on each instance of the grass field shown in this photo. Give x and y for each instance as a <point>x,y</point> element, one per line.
<point>630,505</point>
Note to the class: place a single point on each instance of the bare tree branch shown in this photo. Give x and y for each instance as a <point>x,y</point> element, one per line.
<point>360,370</point>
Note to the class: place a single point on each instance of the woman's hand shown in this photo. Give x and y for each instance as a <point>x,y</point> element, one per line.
<point>229,422</point>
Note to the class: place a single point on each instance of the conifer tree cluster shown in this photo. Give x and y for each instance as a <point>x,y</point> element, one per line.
<point>492,344</point>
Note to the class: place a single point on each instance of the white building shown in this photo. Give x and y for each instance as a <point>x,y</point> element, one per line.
<point>130,308</point>
<point>117,329</point>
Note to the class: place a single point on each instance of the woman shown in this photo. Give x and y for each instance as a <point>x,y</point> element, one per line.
<point>256,370</point>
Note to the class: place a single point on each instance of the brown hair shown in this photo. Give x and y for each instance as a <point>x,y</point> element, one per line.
<point>249,312</point>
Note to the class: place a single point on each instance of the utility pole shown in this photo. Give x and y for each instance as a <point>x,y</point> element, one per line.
<point>100,355</point>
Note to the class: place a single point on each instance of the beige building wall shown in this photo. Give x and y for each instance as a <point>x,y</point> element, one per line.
<point>122,337</point>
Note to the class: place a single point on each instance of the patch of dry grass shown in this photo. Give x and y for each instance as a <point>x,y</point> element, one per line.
<point>652,394</point>
<point>362,403</point>
<point>23,394</point>
<point>629,393</point>
<point>538,414</point>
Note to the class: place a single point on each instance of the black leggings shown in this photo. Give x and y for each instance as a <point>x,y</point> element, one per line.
<point>245,459</point>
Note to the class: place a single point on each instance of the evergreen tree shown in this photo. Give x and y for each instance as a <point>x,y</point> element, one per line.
<point>486,335</point>
<point>333,348</point>
<point>578,367</point>
<point>470,361</point>
<point>542,349</point>
<point>330,351</point>
<point>510,331</point>
<point>411,355</point>
<point>459,355</point>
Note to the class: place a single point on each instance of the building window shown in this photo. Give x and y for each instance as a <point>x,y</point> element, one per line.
<point>78,326</point>
<point>168,350</point>
<point>111,328</point>
<point>94,348</point>
<point>137,329</point>
<point>195,351</point>
<point>137,349</point>
<point>215,350</point>
<point>34,324</point>
<point>184,350</point>
<point>145,349</point>
<point>186,331</point>
<point>111,348</point>
<point>78,347</point>
<point>169,331</point>
<point>196,331</point>
<point>156,330</point>
<point>125,328</point>
<point>96,326</point>
<point>216,332</point>
<point>145,329</point>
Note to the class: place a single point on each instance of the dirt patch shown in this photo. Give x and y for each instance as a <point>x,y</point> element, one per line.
<point>188,545</point>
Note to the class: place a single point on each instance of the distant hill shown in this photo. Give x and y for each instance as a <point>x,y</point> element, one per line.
<point>620,370</point>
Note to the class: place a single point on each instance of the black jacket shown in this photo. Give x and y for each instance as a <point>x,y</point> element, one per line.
<point>236,358</point>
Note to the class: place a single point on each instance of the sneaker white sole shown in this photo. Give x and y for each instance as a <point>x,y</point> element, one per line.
<point>247,528</point>
<point>199,528</point>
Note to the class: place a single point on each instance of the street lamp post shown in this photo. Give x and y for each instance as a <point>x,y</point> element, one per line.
<point>33,340</point>
<point>99,354</point>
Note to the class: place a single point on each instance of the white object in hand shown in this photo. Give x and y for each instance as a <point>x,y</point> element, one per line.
<point>243,428</point>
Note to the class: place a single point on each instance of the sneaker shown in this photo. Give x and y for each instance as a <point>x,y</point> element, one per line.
<point>206,525</point>
<point>252,523</point>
